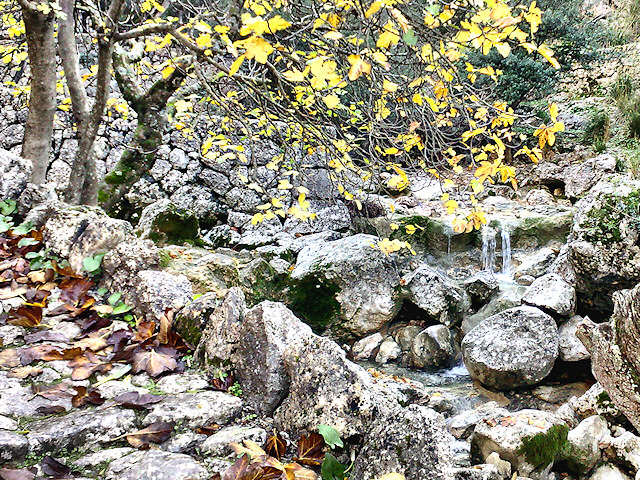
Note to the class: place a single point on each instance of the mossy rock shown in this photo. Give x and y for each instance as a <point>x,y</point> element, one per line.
<point>163,222</point>
<point>541,450</point>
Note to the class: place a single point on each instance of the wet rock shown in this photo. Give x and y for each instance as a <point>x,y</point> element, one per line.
<point>405,336</point>
<point>571,348</point>
<point>552,293</point>
<point>195,409</point>
<point>437,295</point>
<point>218,443</point>
<point>583,448</point>
<point>360,277</point>
<point>608,472</point>
<point>389,350</point>
<point>537,264</point>
<point>163,222</point>
<point>461,426</point>
<point>156,465</point>
<point>512,349</point>
<point>81,428</point>
<point>159,291</point>
<point>328,389</point>
<point>509,298</point>
<point>413,442</point>
<point>434,347</point>
<point>363,349</point>
<point>529,440</point>
<point>481,287</point>
<point>15,173</point>
<point>13,447</point>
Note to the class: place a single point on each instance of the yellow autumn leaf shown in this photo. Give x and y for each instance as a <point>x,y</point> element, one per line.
<point>257,218</point>
<point>235,66</point>
<point>167,71</point>
<point>358,67</point>
<point>388,86</point>
<point>331,101</point>
<point>373,8</point>
<point>258,49</point>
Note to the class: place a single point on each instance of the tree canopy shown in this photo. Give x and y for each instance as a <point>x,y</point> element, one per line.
<point>376,88</point>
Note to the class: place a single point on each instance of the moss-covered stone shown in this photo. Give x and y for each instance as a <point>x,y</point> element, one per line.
<point>603,223</point>
<point>314,301</point>
<point>173,226</point>
<point>542,449</point>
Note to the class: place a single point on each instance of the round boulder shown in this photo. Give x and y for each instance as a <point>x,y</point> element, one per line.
<point>512,349</point>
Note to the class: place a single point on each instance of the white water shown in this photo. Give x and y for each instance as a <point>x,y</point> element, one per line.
<point>506,251</point>
<point>489,251</point>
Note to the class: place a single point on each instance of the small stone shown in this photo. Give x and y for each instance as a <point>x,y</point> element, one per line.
<point>85,428</point>
<point>92,462</point>
<point>363,349</point>
<point>608,472</point>
<point>156,465</point>
<point>551,292</point>
<point>434,347</point>
<point>183,442</point>
<point>218,443</point>
<point>183,383</point>
<point>583,451</point>
<point>504,467</point>
<point>571,348</point>
<point>7,423</point>
<point>196,409</point>
<point>10,334</point>
<point>389,350</point>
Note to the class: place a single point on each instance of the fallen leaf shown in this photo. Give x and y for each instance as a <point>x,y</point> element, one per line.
<point>157,432</point>
<point>24,372</point>
<point>310,449</point>
<point>26,316</point>
<point>50,409</point>
<point>7,293</point>
<point>46,336</point>
<point>74,290</point>
<point>53,468</point>
<point>9,358</point>
<point>276,446</point>
<point>155,362</point>
<point>137,401</point>
<point>46,352</point>
<point>84,396</point>
<point>53,392</point>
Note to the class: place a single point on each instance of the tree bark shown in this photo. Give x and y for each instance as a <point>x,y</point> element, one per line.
<point>139,157</point>
<point>38,132</point>
<point>84,181</point>
<point>615,352</point>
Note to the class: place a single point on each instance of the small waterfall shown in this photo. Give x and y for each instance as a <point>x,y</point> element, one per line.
<point>488,249</point>
<point>506,251</point>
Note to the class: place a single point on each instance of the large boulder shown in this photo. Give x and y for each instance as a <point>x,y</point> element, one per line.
<point>615,352</point>
<point>550,292</point>
<point>434,347</point>
<point>512,349</point>
<point>80,232</point>
<point>439,296</point>
<point>602,253</point>
<point>413,442</point>
<point>163,221</point>
<point>348,285</point>
<point>328,389</point>
<point>15,173</point>
<point>530,440</point>
<point>253,341</point>
<point>579,179</point>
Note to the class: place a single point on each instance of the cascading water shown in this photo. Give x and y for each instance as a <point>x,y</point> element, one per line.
<point>488,249</point>
<point>506,251</point>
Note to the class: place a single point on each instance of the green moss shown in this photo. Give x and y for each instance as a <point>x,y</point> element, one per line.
<point>165,259</point>
<point>540,230</point>
<point>175,227</point>
<point>542,449</point>
<point>314,301</point>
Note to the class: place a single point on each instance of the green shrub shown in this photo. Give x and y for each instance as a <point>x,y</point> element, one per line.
<point>597,130</point>
<point>622,89</point>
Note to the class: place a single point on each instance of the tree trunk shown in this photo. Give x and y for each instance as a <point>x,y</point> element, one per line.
<point>38,132</point>
<point>140,155</point>
<point>615,352</point>
<point>84,181</point>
